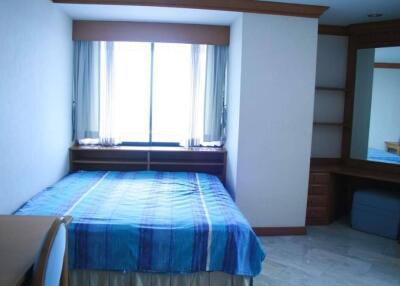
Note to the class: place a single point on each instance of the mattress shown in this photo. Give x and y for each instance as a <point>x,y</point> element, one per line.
<point>156,222</point>
<point>382,156</point>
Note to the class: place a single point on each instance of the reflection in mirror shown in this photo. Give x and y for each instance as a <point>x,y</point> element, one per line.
<point>376,113</point>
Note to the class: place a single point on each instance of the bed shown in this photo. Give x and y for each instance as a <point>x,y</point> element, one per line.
<point>383,156</point>
<point>151,228</point>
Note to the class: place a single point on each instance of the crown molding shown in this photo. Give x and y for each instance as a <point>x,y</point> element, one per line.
<point>252,6</point>
<point>332,30</point>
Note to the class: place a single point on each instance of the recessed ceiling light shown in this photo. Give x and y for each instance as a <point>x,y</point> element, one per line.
<point>375,15</point>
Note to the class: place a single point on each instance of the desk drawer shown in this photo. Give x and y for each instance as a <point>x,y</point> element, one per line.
<point>319,178</point>
<point>317,213</point>
<point>317,201</point>
<point>318,190</point>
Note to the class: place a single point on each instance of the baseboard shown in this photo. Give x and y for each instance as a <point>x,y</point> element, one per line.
<point>271,231</point>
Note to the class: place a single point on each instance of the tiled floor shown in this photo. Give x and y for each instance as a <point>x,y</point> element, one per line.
<point>330,256</point>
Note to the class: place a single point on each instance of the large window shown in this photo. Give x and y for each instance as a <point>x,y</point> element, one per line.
<point>154,93</point>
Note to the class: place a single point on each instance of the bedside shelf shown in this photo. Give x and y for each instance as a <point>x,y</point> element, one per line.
<point>188,163</point>
<point>108,162</point>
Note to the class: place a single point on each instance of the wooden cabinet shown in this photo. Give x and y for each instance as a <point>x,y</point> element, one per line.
<point>320,198</point>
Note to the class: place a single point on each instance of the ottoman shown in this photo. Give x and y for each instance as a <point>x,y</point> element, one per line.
<point>376,212</point>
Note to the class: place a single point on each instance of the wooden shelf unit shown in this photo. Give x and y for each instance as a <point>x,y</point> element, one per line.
<point>124,158</point>
<point>326,88</point>
<point>342,92</point>
<point>320,199</point>
<point>339,124</point>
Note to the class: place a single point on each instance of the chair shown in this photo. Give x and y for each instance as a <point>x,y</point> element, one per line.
<point>49,266</point>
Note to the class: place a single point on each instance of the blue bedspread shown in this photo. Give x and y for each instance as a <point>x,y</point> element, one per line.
<point>383,156</point>
<point>151,222</point>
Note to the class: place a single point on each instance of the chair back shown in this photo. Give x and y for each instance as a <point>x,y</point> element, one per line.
<point>48,268</point>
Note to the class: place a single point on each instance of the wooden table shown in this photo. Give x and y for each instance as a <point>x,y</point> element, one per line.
<point>21,238</point>
<point>393,147</point>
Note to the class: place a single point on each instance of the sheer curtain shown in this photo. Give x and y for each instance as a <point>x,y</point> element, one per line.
<point>215,94</point>
<point>94,100</point>
<point>86,88</point>
<point>109,134</point>
<point>196,101</point>
<point>208,94</point>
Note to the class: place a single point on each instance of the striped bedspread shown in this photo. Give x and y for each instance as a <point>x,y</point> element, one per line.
<point>150,221</point>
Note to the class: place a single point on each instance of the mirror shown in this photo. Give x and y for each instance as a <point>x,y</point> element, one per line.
<point>376,111</point>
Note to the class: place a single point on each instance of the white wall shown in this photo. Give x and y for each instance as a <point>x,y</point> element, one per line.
<point>385,107</point>
<point>233,101</point>
<point>329,105</point>
<point>275,118</point>
<point>35,98</point>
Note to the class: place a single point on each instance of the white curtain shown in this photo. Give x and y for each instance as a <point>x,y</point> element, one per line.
<point>215,94</point>
<point>94,100</point>
<point>208,94</point>
<point>194,133</point>
<point>86,104</point>
<point>108,98</point>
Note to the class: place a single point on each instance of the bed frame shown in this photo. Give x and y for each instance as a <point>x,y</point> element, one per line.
<point>127,158</point>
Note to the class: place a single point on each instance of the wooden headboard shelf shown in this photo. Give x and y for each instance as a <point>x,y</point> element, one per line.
<point>124,158</point>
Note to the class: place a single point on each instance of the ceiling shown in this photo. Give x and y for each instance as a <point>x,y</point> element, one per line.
<point>346,12</point>
<point>341,12</point>
<point>147,14</point>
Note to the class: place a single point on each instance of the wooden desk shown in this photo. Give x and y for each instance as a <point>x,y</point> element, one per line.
<point>21,238</point>
<point>326,181</point>
<point>393,147</point>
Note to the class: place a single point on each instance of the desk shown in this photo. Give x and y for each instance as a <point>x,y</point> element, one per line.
<point>326,181</point>
<point>21,238</point>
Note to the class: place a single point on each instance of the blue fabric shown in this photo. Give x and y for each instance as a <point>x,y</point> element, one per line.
<point>382,156</point>
<point>149,221</point>
<point>377,212</point>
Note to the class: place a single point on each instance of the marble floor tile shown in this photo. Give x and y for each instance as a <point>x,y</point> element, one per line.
<point>333,255</point>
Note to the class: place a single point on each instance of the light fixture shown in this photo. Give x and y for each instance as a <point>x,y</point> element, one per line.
<point>375,15</point>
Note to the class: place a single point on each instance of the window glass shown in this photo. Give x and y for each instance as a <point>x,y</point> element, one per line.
<point>131,87</point>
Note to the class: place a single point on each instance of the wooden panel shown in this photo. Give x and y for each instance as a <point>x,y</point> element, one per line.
<point>374,27</point>
<point>320,200</point>
<point>330,88</point>
<point>184,157</point>
<point>150,32</point>
<point>318,190</point>
<point>317,221</point>
<point>252,6</point>
<point>387,65</point>
<point>317,212</point>
<point>332,30</point>
<point>319,178</point>
<point>273,231</point>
